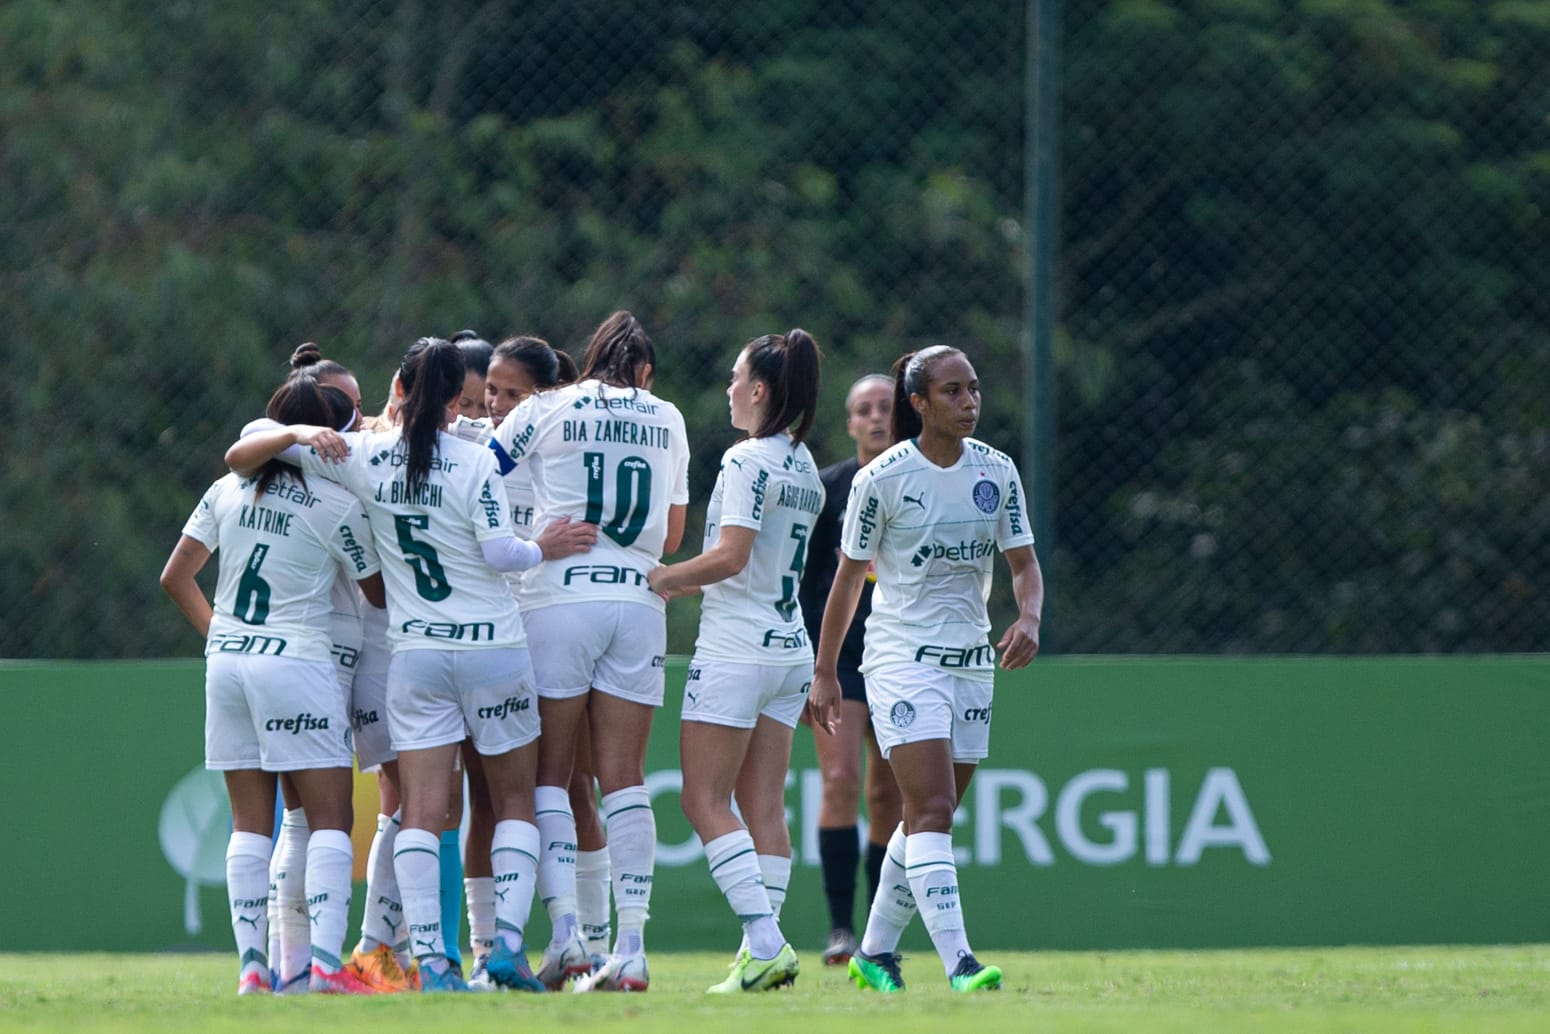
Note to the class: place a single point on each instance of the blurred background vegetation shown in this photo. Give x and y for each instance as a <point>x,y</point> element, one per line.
<point>1302,271</point>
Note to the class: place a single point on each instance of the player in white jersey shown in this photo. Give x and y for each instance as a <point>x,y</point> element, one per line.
<point>273,703</point>
<point>459,659</point>
<point>603,450</point>
<point>929,513</point>
<point>752,664</point>
<point>519,367</point>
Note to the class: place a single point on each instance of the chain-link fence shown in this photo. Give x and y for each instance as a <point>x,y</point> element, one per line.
<point>1302,354</point>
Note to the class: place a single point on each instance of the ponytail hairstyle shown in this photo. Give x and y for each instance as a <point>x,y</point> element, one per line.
<point>548,366</point>
<point>476,350</point>
<point>302,400</point>
<point>308,358</point>
<point>431,376</point>
<point>618,352</point>
<point>912,376</point>
<point>787,364</point>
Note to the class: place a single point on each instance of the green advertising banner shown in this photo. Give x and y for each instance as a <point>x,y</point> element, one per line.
<point>1126,803</point>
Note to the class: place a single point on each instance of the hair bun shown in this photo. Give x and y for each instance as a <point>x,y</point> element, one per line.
<point>306,354</point>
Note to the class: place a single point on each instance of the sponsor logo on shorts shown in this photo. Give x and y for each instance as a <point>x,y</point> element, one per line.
<point>987,496</point>
<point>659,661</point>
<point>360,717</point>
<point>694,674</point>
<point>509,706</point>
<point>902,715</point>
<point>977,714</point>
<point>981,656</point>
<point>345,656</point>
<point>304,722</point>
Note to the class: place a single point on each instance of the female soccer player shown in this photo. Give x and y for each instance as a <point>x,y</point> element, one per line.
<point>459,657</point>
<point>752,662</point>
<point>476,358</point>
<point>929,512</point>
<point>867,409</point>
<point>519,367</point>
<point>603,450</point>
<point>273,703</point>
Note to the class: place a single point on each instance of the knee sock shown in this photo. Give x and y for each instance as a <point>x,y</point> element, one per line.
<point>632,848</point>
<point>514,857</point>
<point>928,858</point>
<point>480,891</point>
<point>290,886</point>
<point>451,888</point>
<point>417,865</point>
<point>735,868</point>
<point>247,889</point>
<point>557,863</point>
<point>776,871</point>
<point>382,922</point>
<point>329,861</point>
<point>592,899</point>
<point>894,906</point>
<point>838,854</point>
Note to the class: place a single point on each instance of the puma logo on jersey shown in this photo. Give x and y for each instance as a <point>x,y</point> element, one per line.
<point>917,500</point>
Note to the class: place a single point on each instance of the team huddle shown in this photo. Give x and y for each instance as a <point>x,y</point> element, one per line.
<point>437,598</point>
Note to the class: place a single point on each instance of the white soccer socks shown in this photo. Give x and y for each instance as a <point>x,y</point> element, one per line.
<point>557,863</point>
<point>417,865</point>
<point>480,892</point>
<point>735,868</point>
<point>247,889</point>
<point>330,858</point>
<point>928,858</point>
<point>382,922</point>
<point>632,849</point>
<point>514,851</point>
<point>894,904</point>
<point>593,901</point>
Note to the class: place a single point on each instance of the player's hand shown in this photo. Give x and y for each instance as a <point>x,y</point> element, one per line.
<point>564,537</point>
<point>1019,644</point>
<point>823,703</point>
<point>325,441</point>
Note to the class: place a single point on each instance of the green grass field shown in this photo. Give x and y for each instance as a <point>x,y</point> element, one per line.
<point>1344,989</point>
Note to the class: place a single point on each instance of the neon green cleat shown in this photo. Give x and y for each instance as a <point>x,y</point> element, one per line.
<point>879,972</point>
<point>971,975</point>
<point>751,974</point>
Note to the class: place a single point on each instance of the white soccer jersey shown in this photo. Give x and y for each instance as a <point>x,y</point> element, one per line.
<point>931,531</point>
<point>770,485</point>
<point>519,488</point>
<point>615,457</point>
<point>441,593</point>
<point>279,553</point>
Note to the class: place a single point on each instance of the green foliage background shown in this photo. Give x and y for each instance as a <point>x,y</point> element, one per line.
<point>1303,268</point>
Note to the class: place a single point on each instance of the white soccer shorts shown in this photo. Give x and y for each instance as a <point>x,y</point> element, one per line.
<point>279,714</point>
<point>437,697</point>
<point>914,702</point>
<point>730,693</point>
<point>613,646</point>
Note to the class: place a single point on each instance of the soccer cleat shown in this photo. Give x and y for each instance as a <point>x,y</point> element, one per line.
<point>479,976</point>
<point>751,974</point>
<point>563,963</point>
<point>380,969</point>
<point>342,981</point>
<point>433,981</point>
<point>411,972</point>
<point>879,972</point>
<point>842,945</point>
<point>254,982</point>
<point>972,975</point>
<point>510,969</point>
<point>617,973</point>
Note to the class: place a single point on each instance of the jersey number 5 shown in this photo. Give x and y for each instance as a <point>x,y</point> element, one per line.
<point>430,578</point>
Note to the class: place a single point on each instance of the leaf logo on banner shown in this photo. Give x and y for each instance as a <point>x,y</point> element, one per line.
<point>194,827</point>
